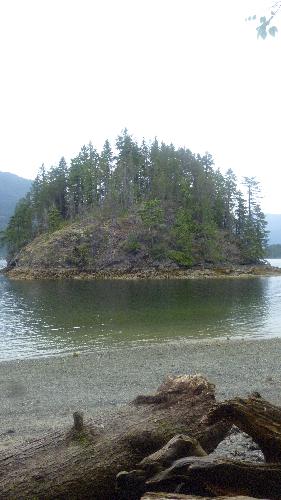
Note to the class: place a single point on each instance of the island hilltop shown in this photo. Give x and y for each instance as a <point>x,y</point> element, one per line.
<point>146,209</point>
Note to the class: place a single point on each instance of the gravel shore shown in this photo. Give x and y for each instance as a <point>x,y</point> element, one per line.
<point>38,395</point>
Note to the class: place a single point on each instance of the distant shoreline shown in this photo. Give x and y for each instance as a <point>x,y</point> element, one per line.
<point>219,272</point>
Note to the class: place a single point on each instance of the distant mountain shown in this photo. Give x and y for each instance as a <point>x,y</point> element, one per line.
<point>274,251</point>
<point>12,189</point>
<point>274,226</point>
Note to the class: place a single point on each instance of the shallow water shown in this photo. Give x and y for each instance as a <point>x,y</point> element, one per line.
<point>54,317</point>
<point>275,262</point>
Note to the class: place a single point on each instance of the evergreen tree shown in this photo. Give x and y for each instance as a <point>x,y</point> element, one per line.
<point>240,216</point>
<point>57,187</point>
<point>184,235</point>
<point>253,193</point>
<point>106,167</point>
<point>127,166</point>
<point>55,220</point>
<point>169,188</point>
<point>230,200</point>
<point>254,239</point>
<point>39,197</point>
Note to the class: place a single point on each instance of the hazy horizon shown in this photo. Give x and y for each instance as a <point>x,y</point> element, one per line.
<point>192,73</point>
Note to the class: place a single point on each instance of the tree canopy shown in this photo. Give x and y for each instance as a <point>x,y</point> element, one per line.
<point>265,26</point>
<point>180,198</point>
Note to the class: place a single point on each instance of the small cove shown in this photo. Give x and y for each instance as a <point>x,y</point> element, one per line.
<point>43,318</point>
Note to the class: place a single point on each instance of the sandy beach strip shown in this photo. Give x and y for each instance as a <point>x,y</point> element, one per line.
<point>39,395</point>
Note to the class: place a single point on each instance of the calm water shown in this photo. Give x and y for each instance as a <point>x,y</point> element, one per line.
<point>275,262</point>
<point>39,318</point>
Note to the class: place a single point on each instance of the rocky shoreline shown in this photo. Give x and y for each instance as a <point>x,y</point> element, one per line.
<point>243,271</point>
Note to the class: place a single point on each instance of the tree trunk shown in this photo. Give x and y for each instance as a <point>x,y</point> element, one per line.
<point>172,469</point>
<point>204,476</point>
<point>83,463</point>
<point>258,418</point>
<point>176,496</point>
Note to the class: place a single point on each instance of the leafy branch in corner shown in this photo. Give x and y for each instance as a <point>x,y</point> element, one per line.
<point>265,23</point>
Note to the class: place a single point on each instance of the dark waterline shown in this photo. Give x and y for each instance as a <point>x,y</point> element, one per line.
<point>41,318</point>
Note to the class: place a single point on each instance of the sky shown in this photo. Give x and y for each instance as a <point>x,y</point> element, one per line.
<point>187,71</point>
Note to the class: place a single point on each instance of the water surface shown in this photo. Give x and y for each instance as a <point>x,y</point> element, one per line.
<point>41,318</point>
<point>275,262</point>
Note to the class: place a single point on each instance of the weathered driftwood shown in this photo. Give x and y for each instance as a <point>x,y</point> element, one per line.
<point>78,425</point>
<point>172,468</point>
<point>84,464</point>
<point>179,446</point>
<point>131,485</point>
<point>176,496</point>
<point>204,476</point>
<point>258,418</point>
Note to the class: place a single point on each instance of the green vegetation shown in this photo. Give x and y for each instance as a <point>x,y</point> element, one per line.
<point>185,209</point>
<point>131,244</point>
<point>274,251</point>
<point>151,214</point>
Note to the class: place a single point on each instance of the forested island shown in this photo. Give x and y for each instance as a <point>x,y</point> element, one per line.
<point>137,206</point>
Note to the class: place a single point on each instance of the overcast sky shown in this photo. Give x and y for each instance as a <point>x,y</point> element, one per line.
<point>187,71</point>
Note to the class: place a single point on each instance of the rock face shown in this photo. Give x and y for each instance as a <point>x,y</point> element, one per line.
<point>90,247</point>
<point>115,248</point>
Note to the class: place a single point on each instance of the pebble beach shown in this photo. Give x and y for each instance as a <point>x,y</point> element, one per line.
<point>40,395</point>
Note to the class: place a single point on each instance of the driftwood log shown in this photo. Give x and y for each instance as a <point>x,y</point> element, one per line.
<point>131,485</point>
<point>258,418</point>
<point>83,462</point>
<point>175,468</point>
<point>179,446</point>
<point>204,476</point>
<point>175,496</point>
<point>165,438</point>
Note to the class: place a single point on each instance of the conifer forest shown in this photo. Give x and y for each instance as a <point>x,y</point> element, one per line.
<point>184,205</point>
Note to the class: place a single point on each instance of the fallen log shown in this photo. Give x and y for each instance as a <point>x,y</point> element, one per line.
<point>176,496</point>
<point>204,476</point>
<point>83,462</point>
<point>174,470</point>
<point>258,418</point>
<point>179,446</point>
<point>131,485</point>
